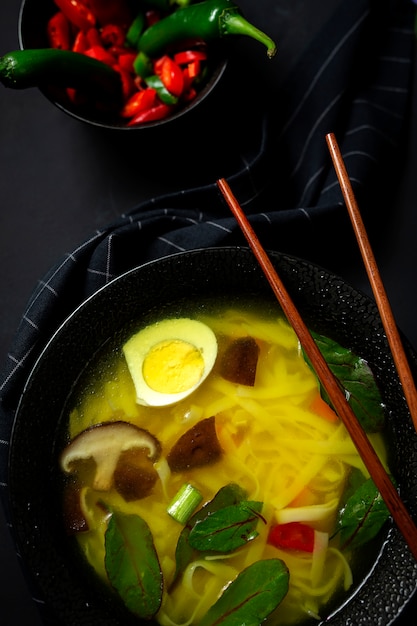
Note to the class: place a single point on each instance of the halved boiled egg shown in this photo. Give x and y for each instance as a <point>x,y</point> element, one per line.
<point>170,359</point>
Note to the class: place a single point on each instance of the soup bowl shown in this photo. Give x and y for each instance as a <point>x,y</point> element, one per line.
<point>385,574</point>
<point>32,31</point>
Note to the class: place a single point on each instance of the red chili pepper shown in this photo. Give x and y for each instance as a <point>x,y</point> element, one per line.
<point>126,59</point>
<point>171,76</point>
<point>139,101</point>
<point>157,112</point>
<point>112,35</point>
<point>292,536</point>
<point>194,69</point>
<point>58,31</point>
<point>116,51</point>
<point>101,54</point>
<point>188,56</point>
<point>157,64</point>
<point>189,95</point>
<point>188,81</point>
<point>77,13</point>
<point>93,37</point>
<point>77,98</point>
<point>128,83</point>
<point>80,42</point>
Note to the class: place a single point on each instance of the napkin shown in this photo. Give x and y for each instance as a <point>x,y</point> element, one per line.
<point>353,79</point>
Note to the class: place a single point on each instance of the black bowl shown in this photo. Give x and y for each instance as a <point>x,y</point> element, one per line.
<point>328,305</point>
<point>33,18</point>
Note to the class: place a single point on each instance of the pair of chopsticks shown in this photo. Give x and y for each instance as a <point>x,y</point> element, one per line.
<point>371,460</point>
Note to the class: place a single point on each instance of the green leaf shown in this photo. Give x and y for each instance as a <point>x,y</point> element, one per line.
<point>363,515</point>
<point>227,529</point>
<point>356,377</point>
<point>132,564</point>
<point>251,597</point>
<point>228,495</point>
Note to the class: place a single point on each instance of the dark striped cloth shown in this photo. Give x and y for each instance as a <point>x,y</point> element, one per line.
<point>353,79</point>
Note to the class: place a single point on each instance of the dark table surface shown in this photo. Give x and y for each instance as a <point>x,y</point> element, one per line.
<point>61,180</point>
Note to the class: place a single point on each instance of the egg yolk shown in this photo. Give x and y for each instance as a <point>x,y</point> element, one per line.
<point>173,366</point>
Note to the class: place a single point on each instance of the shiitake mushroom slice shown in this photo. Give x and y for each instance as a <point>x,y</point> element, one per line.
<point>135,475</point>
<point>198,446</point>
<point>240,360</point>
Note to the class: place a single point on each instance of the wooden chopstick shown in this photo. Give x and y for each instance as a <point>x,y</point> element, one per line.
<point>371,460</point>
<point>380,295</point>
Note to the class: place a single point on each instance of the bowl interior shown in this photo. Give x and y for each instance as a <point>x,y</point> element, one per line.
<point>33,17</point>
<point>327,305</point>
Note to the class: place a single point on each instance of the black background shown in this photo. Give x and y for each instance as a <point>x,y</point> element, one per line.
<point>60,180</point>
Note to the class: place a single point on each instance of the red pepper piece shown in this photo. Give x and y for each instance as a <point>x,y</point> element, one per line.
<point>140,101</point>
<point>77,98</point>
<point>116,51</point>
<point>77,13</point>
<point>101,54</point>
<point>80,42</point>
<point>189,56</point>
<point>187,80</point>
<point>292,536</point>
<point>112,35</point>
<point>194,69</point>
<point>58,31</point>
<point>126,60</point>
<point>93,37</point>
<point>157,112</point>
<point>189,95</point>
<point>128,83</point>
<point>171,76</point>
<point>157,64</point>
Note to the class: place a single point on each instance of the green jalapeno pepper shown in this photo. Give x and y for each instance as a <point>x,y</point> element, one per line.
<point>21,69</point>
<point>143,65</point>
<point>135,30</point>
<point>207,20</point>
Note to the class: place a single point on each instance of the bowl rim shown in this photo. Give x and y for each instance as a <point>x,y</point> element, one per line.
<point>393,544</point>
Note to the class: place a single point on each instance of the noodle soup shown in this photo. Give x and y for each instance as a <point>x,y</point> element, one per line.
<point>273,440</point>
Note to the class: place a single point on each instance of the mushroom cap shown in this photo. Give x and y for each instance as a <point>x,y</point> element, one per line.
<point>104,443</point>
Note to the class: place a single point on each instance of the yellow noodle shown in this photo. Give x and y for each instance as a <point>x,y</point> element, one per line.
<point>313,513</point>
<point>220,405</point>
<point>318,561</point>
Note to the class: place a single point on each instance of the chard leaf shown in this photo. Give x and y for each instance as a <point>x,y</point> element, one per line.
<point>356,377</point>
<point>226,496</point>
<point>251,597</point>
<point>227,529</point>
<point>363,515</point>
<point>132,564</point>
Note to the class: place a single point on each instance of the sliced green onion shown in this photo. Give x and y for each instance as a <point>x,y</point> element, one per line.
<point>184,503</point>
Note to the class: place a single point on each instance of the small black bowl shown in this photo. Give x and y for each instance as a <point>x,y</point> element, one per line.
<point>388,576</point>
<point>33,18</point>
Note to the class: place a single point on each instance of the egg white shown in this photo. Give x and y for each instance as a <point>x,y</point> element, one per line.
<point>138,346</point>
